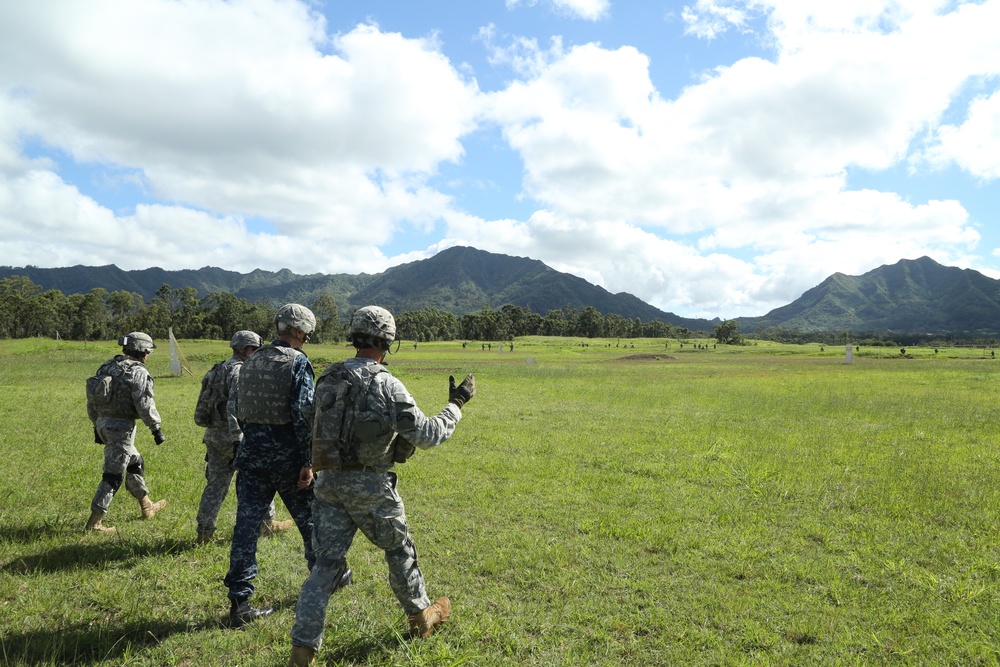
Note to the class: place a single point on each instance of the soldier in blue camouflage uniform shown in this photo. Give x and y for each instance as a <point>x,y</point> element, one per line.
<point>360,493</point>
<point>127,395</point>
<point>222,437</point>
<point>274,406</point>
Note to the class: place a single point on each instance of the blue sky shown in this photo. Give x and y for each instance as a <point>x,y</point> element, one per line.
<point>714,158</point>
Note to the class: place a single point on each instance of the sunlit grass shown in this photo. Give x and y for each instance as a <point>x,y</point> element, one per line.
<point>598,505</point>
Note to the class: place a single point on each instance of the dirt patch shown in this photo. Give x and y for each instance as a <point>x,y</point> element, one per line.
<point>645,357</point>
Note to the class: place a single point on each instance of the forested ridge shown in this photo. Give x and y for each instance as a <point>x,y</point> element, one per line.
<point>28,310</point>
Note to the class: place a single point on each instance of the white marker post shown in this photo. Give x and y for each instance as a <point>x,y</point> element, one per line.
<point>849,354</point>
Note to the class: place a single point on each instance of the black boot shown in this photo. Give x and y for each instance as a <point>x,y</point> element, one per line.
<point>241,612</point>
<point>345,578</point>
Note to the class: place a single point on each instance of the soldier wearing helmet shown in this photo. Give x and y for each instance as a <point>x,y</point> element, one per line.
<point>119,393</point>
<point>274,407</point>
<point>223,435</point>
<point>359,493</point>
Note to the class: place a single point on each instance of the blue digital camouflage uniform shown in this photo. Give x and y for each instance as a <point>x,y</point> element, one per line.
<point>220,450</point>
<point>115,424</point>
<point>268,461</point>
<point>349,500</point>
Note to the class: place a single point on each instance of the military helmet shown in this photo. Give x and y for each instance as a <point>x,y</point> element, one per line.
<point>374,322</point>
<point>137,342</point>
<point>242,339</point>
<point>295,315</point>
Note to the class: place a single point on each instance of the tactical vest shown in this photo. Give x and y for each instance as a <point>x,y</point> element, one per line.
<point>117,401</point>
<point>265,387</point>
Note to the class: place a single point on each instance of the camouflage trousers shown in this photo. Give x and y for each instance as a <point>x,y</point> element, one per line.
<point>122,463</point>
<point>255,490</point>
<point>346,502</point>
<point>219,471</point>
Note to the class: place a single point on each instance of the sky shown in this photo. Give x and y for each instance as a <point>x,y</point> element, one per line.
<point>715,158</point>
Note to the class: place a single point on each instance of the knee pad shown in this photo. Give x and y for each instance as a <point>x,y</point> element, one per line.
<point>113,480</point>
<point>136,468</point>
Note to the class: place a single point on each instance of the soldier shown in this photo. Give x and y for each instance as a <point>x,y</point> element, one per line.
<point>222,437</point>
<point>275,403</point>
<point>360,492</point>
<point>119,393</point>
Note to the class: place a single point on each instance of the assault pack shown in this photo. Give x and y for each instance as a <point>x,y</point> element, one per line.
<point>341,396</point>
<point>108,393</point>
<point>210,410</point>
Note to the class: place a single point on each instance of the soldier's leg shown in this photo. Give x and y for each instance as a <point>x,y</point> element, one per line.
<point>382,518</point>
<point>254,491</point>
<point>116,459</point>
<point>333,533</point>
<point>219,472</point>
<point>298,502</point>
<point>135,482</point>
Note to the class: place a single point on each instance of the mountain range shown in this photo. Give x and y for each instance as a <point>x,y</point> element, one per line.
<point>917,296</point>
<point>914,296</point>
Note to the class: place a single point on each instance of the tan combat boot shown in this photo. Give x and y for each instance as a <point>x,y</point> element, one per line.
<point>302,657</point>
<point>424,622</point>
<point>95,523</point>
<point>205,536</point>
<point>149,508</point>
<point>272,527</point>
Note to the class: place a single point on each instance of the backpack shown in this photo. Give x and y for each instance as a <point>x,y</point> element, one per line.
<point>99,390</point>
<point>210,410</point>
<point>339,397</point>
<point>108,391</point>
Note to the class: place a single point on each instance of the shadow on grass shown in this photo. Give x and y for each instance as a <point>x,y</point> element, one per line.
<point>90,642</point>
<point>92,553</point>
<point>360,651</point>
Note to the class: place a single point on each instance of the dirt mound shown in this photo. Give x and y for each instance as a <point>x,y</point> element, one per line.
<point>645,357</point>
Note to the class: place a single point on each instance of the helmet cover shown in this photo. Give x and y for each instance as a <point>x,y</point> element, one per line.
<point>245,338</point>
<point>375,322</point>
<point>295,315</point>
<point>137,342</point>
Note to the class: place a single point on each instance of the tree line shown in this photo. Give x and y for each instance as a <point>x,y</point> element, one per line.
<point>27,310</point>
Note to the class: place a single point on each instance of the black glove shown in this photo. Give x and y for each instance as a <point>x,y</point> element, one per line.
<point>97,437</point>
<point>464,392</point>
<point>158,436</point>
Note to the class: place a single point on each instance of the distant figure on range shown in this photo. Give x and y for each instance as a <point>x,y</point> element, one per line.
<point>274,405</point>
<point>216,411</point>
<point>119,393</point>
<point>375,423</point>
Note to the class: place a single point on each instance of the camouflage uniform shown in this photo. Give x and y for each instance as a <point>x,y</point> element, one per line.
<point>366,499</point>
<point>273,451</point>
<point>221,443</point>
<point>115,424</point>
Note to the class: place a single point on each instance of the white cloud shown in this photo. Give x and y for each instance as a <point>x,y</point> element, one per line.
<point>975,144</point>
<point>238,109</point>
<point>589,10</point>
<point>754,158</point>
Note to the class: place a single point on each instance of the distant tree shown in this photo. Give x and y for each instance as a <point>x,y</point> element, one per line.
<point>328,328</point>
<point>590,323</point>
<point>728,333</point>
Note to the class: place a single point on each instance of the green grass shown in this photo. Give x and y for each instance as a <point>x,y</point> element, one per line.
<point>755,505</point>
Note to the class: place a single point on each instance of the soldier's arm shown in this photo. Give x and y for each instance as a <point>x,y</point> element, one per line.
<point>232,405</point>
<point>303,392</point>
<point>416,427</point>
<point>142,397</point>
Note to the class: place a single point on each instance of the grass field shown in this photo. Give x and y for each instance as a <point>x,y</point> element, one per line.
<point>598,505</point>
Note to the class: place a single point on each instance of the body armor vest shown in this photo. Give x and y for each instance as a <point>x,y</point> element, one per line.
<point>266,385</point>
